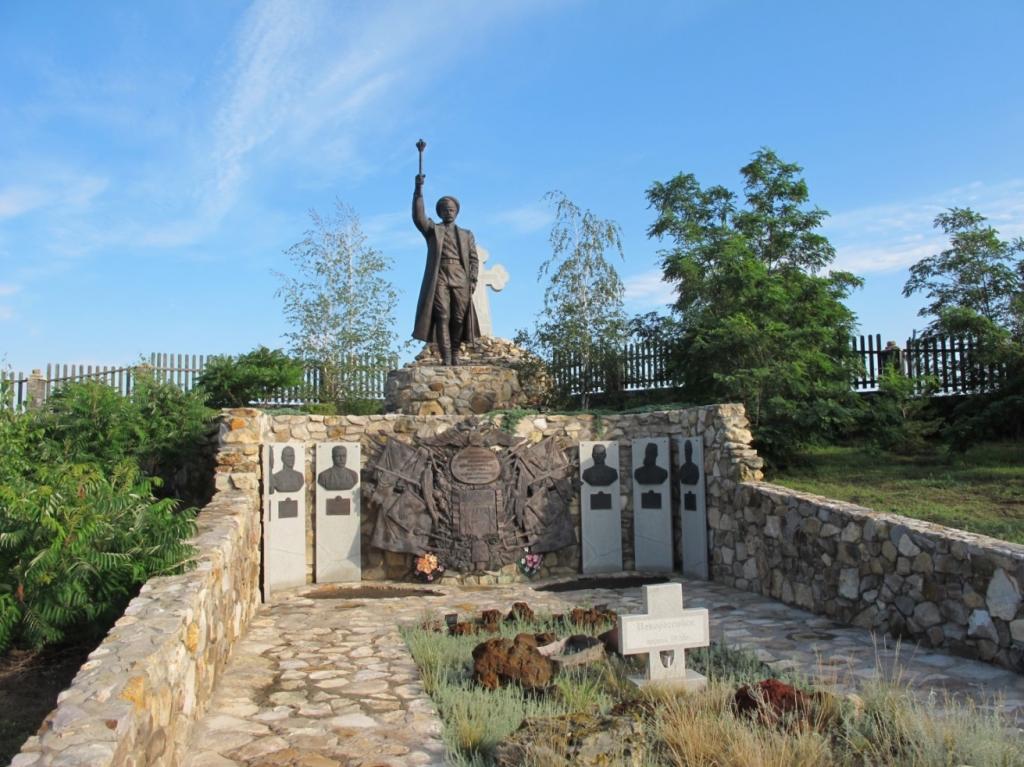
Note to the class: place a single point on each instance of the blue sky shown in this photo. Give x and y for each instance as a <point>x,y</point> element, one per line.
<point>156,159</point>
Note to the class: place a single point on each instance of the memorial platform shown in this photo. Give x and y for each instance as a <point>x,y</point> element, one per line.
<point>330,682</point>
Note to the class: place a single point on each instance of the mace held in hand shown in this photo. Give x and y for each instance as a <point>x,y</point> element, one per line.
<point>421,145</point>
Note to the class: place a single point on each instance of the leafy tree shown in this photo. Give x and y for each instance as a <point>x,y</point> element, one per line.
<point>975,284</point>
<point>582,319</point>
<point>253,377</point>
<point>340,304</point>
<point>754,319</point>
<point>975,288</point>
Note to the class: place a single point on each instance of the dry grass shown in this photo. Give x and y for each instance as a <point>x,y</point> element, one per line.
<point>885,725</point>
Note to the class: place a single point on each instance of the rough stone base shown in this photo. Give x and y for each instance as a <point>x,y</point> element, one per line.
<point>448,390</point>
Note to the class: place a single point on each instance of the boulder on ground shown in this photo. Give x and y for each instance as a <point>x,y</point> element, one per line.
<point>498,662</point>
<point>520,611</point>
<point>592,618</point>
<point>776,703</point>
<point>490,621</point>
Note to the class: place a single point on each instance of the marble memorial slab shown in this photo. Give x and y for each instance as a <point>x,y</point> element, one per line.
<point>600,507</point>
<point>664,632</point>
<point>652,504</point>
<point>284,517</point>
<point>693,514</point>
<point>338,512</point>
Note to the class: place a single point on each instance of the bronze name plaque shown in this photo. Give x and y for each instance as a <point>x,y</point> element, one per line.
<point>476,466</point>
<point>338,507</point>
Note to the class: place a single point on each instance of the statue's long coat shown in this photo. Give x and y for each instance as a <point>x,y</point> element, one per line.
<point>434,234</point>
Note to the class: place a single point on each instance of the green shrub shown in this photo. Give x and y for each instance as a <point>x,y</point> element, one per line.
<point>159,428</point>
<point>358,406</point>
<point>898,418</point>
<point>250,378</point>
<point>317,408</point>
<point>76,539</point>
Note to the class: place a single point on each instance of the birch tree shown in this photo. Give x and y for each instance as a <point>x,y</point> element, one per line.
<point>340,305</point>
<point>583,321</point>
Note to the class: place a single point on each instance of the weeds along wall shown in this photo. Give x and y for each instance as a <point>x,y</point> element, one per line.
<point>728,459</point>
<point>899,576</point>
<point>136,698</point>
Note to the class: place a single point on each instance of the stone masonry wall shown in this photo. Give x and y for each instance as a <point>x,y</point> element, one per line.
<point>932,584</point>
<point>728,460</point>
<point>462,390</point>
<point>134,701</point>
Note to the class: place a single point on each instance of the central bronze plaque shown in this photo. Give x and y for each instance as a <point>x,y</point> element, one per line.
<point>476,466</point>
<point>478,512</point>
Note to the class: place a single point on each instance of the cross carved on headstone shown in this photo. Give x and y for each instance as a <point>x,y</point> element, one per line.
<point>664,632</point>
<point>495,278</point>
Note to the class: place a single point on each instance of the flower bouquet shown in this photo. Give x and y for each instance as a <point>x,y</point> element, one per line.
<point>428,568</point>
<point>529,564</point>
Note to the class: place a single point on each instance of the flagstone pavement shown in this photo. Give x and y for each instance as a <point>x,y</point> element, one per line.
<point>329,682</point>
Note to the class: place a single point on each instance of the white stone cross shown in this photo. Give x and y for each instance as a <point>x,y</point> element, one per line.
<point>494,278</point>
<point>665,631</point>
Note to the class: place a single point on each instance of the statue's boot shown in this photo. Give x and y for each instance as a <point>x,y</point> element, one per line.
<point>444,345</point>
<point>446,354</point>
<point>456,333</point>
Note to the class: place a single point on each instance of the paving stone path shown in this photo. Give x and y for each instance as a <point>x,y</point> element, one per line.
<point>328,682</point>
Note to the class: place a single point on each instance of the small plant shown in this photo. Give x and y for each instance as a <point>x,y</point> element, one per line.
<point>898,417</point>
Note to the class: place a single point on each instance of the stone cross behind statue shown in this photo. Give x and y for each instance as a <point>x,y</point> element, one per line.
<point>665,631</point>
<point>495,278</point>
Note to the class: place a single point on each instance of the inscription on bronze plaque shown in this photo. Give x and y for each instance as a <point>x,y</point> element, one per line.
<point>287,509</point>
<point>650,500</point>
<point>478,513</point>
<point>338,507</point>
<point>476,466</point>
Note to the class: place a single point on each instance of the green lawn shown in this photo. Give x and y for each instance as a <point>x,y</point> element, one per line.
<point>981,490</point>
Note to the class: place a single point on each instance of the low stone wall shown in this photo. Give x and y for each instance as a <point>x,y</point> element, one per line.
<point>728,460</point>
<point>939,586</point>
<point>136,698</point>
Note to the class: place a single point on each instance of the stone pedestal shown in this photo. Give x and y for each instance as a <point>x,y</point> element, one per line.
<point>460,390</point>
<point>493,374</point>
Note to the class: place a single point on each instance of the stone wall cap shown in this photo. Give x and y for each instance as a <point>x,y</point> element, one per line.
<point>986,544</point>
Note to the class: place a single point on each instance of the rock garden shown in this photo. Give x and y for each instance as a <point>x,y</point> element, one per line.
<point>515,686</point>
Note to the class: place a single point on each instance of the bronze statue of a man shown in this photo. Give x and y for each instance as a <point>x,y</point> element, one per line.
<point>444,312</point>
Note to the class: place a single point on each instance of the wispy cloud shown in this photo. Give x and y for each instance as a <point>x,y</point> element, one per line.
<point>65,189</point>
<point>526,218</point>
<point>388,231</point>
<point>305,87</point>
<point>648,290</point>
<point>306,80</point>
<point>883,238</point>
<point>7,289</point>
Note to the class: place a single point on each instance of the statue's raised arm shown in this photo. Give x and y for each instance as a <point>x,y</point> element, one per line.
<point>419,216</point>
